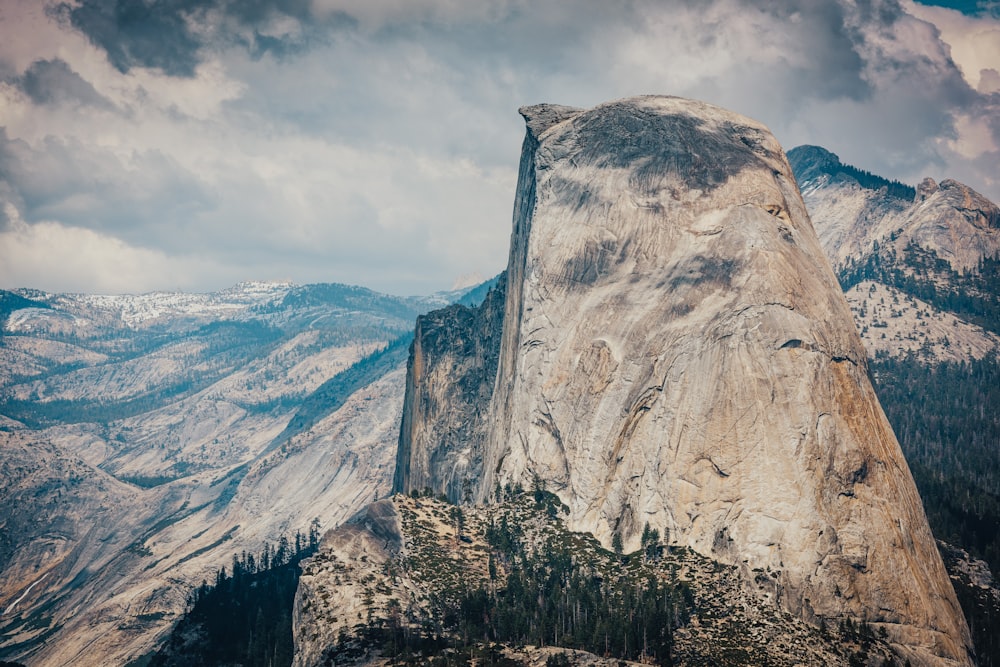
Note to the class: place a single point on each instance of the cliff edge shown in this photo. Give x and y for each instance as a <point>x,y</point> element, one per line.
<point>675,351</point>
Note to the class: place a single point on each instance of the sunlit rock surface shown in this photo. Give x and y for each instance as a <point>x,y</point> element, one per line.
<point>676,351</point>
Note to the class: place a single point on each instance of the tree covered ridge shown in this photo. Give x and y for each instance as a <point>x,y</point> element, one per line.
<point>245,616</point>
<point>946,420</point>
<point>973,296</point>
<point>498,577</point>
<point>811,162</point>
<point>945,417</point>
<point>527,581</point>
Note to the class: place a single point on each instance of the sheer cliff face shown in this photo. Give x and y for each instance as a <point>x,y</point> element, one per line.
<point>676,350</point>
<point>449,382</point>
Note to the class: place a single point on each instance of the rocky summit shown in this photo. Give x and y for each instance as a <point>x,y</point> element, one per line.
<point>674,350</point>
<point>858,214</point>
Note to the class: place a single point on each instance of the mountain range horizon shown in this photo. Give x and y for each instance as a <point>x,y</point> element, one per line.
<point>644,365</point>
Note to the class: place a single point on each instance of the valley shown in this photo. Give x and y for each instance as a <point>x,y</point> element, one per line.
<point>147,439</point>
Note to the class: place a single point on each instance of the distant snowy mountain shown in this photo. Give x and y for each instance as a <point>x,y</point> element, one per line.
<point>142,310</point>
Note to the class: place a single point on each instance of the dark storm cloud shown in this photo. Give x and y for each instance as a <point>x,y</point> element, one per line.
<point>170,35</point>
<point>800,55</point>
<point>920,91</point>
<point>53,82</point>
<point>134,32</point>
<point>829,67</point>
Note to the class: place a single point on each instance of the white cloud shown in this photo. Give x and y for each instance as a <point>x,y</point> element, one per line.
<point>974,41</point>
<point>974,137</point>
<point>384,152</point>
<point>54,257</point>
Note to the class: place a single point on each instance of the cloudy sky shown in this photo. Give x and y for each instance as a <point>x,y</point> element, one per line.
<point>191,144</point>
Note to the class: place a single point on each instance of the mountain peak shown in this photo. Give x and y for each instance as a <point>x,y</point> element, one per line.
<point>977,209</point>
<point>540,117</point>
<point>675,352</point>
<point>856,213</point>
<point>927,187</point>
<point>812,163</point>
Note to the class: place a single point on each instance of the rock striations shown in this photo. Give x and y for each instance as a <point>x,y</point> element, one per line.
<point>675,350</point>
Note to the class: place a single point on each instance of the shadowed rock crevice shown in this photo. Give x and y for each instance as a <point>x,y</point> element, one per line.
<point>450,376</point>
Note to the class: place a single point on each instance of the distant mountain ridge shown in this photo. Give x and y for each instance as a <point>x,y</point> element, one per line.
<point>954,221</point>
<point>12,301</point>
<point>146,438</point>
<point>812,162</point>
<point>941,245</point>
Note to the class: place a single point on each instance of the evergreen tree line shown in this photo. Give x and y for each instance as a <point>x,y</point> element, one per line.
<point>972,295</point>
<point>871,181</point>
<point>556,595</point>
<point>945,418</point>
<point>245,616</point>
<point>552,599</point>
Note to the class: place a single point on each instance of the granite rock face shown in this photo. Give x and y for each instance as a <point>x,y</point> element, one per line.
<point>449,382</point>
<point>676,351</point>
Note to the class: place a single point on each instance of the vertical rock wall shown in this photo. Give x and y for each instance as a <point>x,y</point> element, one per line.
<point>676,351</point>
<point>449,384</point>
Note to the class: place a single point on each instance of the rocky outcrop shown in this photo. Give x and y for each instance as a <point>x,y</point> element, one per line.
<point>326,602</point>
<point>449,383</point>
<point>403,579</point>
<point>676,352</point>
<point>957,222</point>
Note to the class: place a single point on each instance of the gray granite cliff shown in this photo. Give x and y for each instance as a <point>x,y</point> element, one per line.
<point>675,350</point>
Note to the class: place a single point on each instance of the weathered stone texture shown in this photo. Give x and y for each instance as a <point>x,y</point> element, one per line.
<point>676,351</point>
<point>449,383</point>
